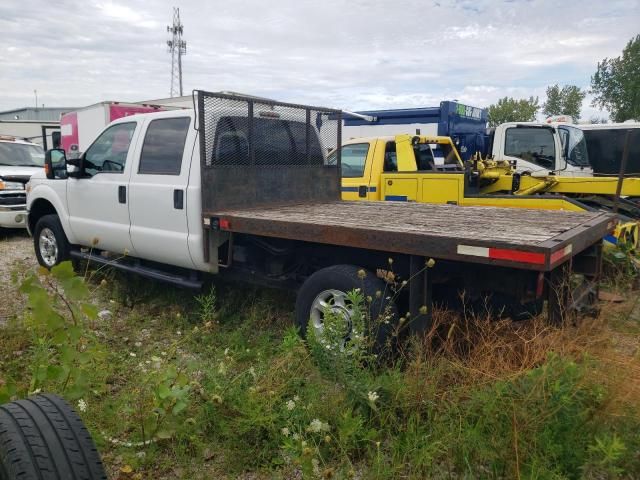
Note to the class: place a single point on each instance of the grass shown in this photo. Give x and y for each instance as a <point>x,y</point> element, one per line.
<point>475,398</point>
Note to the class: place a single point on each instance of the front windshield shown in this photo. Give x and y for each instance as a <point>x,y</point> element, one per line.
<point>574,145</point>
<point>21,155</point>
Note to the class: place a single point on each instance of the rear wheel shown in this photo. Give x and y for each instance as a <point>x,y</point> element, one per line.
<point>43,438</point>
<point>50,242</point>
<point>327,291</point>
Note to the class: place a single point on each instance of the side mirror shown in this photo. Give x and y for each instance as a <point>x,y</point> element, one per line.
<point>564,139</point>
<point>55,164</point>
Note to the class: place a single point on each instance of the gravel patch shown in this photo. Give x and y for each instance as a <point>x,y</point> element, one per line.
<point>16,254</point>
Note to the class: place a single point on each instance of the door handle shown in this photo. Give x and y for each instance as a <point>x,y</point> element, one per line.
<point>362,191</point>
<point>122,194</point>
<point>178,199</point>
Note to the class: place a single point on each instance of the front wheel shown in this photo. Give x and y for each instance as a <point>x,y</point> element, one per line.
<point>50,242</point>
<point>326,292</point>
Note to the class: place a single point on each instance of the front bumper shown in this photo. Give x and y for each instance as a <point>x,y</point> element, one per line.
<point>13,216</point>
<point>13,210</point>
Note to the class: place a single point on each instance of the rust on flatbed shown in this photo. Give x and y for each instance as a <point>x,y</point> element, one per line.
<point>522,238</point>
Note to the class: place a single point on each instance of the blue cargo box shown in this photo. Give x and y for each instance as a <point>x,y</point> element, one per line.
<point>466,125</point>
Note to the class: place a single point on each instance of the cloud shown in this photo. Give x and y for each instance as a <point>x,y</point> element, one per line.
<point>355,55</point>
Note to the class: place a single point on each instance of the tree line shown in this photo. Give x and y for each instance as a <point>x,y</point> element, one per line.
<point>615,86</point>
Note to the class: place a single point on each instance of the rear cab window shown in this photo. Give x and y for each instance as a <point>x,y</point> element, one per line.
<point>275,142</point>
<point>163,146</point>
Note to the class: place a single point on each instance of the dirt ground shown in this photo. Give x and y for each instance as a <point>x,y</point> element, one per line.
<point>16,253</point>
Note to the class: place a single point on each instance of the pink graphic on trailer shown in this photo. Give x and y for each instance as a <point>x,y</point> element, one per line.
<point>118,111</point>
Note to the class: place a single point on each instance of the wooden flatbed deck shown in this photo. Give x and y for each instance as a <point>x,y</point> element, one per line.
<point>530,239</point>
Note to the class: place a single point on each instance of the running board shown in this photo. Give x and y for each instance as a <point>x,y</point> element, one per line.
<point>190,281</point>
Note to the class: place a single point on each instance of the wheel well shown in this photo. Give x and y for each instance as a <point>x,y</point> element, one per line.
<point>39,209</point>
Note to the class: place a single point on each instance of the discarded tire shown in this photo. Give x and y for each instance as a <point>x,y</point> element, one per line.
<point>42,438</point>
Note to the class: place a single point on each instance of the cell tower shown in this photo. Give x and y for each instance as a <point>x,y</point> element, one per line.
<point>177,48</point>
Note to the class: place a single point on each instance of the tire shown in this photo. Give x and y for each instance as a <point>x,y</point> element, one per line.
<point>48,236</point>
<point>345,278</point>
<point>42,438</point>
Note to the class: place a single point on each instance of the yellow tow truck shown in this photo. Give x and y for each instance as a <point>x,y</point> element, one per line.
<point>428,169</point>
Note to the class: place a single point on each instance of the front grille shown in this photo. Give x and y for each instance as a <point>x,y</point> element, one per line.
<point>13,198</point>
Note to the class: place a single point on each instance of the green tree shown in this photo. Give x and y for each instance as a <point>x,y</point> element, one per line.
<point>509,109</point>
<point>564,101</point>
<point>616,83</point>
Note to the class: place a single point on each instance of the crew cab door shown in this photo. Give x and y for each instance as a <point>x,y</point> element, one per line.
<point>356,161</point>
<point>98,201</point>
<point>158,191</point>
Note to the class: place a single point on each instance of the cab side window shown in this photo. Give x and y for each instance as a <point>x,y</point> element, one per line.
<point>534,145</point>
<point>163,146</point>
<point>354,158</point>
<point>108,154</point>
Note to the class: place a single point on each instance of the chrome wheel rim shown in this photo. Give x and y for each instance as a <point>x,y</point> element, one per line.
<point>48,247</point>
<point>336,302</point>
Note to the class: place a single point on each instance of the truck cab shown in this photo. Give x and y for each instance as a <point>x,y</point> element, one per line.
<point>542,148</point>
<point>384,168</point>
<point>129,191</point>
<point>19,160</point>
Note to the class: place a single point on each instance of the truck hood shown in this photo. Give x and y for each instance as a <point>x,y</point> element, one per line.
<point>26,172</point>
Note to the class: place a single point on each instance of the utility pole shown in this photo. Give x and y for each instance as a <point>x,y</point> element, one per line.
<point>177,48</point>
<point>35,92</point>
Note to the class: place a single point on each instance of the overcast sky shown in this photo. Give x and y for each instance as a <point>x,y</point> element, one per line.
<point>352,54</point>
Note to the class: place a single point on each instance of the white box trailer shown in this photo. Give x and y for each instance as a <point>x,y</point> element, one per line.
<point>80,128</point>
<point>45,134</point>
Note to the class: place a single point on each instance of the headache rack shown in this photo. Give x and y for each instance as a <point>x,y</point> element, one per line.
<point>256,152</point>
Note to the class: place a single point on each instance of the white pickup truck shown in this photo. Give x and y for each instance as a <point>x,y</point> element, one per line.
<point>19,160</point>
<point>242,187</point>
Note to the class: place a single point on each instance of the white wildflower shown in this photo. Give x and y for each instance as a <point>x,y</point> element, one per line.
<point>82,405</point>
<point>317,426</point>
<point>296,398</point>
<point>132,354</point>
<point>252,372</point>
<point>373,396</point>
<point>295,436</point>
<point>285,431</point>
<point>178,333</point>
<point>141,454</point>
<point>138,344</point>
<point>316,466</point>
<point>226,352</point>
<point>291,405</point>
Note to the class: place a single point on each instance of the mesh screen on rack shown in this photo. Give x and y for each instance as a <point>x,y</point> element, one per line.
<point>242,131</point>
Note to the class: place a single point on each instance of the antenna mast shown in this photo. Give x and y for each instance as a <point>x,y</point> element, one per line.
<point>177,48</point>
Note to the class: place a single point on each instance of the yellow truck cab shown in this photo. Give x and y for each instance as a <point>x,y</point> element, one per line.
<point>386,168</point>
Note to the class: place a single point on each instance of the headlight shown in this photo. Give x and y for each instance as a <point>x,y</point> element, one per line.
<point>11,185</point>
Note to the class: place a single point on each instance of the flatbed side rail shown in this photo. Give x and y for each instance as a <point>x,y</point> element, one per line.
<point>425,230</point>
<point>256,152</point>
